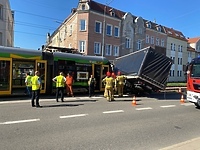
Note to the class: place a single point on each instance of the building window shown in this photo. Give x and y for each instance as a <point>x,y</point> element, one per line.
<point>97,48</point>
<point>109,30</point>
<point>152,40</point>
<point>82,46</point>
<point>147,38</point>
<point>83,7</point>
<point>128,43</point>
<point>82,25</point>
<point>171,46</point>
<point>70,31</point>
<point>174,47</point>
<point>108,50</point>
<point>162,43</point>
<point>159,28</point>
<point>1,12</point>
<point>116,51</point>
<point>140,30</point>
<point>149,25</point>
<point>139,44</point>
<point>157,41</point>
<point>178,73</point>
<point>181,48</point>
<point>1,38</point>
<point>98,27</point>
<point>116,32</point>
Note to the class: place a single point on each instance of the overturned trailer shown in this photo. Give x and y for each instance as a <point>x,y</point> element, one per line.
<point>146,70</point>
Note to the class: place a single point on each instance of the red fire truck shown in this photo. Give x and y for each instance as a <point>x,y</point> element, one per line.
<point>193,82</point>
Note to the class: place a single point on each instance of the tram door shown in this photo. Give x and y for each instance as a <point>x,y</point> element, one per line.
<point>41,66</point>
<point>5,75</point>
<point>104,70</point>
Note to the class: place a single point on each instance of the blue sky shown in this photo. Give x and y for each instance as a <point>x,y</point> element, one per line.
<point>35,18</point>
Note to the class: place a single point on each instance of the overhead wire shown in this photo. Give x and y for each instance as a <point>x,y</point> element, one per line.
<point>38,26</point>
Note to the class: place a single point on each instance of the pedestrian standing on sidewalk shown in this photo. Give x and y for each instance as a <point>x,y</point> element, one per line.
<point>60,84</point>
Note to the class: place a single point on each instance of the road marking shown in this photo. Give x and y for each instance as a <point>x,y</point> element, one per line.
<point>47,100</point>
<point>188,104</point>
<point>167,106</point>
<point>20,121</point>
<point>10,102</point>
<point>147,108</point>
<point>73,116</point>
<point>113,111</point>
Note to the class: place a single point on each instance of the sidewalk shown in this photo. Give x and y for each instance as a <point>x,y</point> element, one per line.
<point>193,144</point>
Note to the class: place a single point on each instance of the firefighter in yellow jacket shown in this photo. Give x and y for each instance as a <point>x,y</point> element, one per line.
<point>109,83</point>
<point>120,83</point>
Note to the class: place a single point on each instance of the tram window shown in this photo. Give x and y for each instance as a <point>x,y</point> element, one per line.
<point>4,75</point>
<point>19,71</point>
<point>82,75</point>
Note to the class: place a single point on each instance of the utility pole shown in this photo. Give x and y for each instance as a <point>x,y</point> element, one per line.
<point>104,26</point>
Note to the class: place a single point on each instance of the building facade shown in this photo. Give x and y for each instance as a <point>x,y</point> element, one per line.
<point>96,29</point>
<point>6,24</point>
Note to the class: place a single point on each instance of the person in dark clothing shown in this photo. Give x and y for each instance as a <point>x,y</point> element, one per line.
<point>91,85</point>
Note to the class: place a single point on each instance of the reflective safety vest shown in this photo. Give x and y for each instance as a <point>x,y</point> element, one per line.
<point>35,83</point>
<point>60,82</point>
<point>121,79</point>
<point>109,82</point>
<point>28,81</point>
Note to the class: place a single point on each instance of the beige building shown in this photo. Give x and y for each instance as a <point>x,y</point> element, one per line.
<point>177,51</point>
<point>6,24</point>
<point>194,43</point>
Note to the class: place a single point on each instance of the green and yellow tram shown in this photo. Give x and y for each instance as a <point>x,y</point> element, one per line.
<point>16,62</point>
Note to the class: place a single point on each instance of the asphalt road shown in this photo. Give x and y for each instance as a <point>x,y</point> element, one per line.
<point>83,123</point>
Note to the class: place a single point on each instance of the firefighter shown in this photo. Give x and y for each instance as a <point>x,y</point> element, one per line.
<point>114,86</point>
<point>120,83</point>
<point>109,84</point>
<point>105,90</point>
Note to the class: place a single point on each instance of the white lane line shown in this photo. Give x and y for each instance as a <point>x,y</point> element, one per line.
<point>114,111</point>
<point>188,104</point>
<point>168,106</point>
<point>20,121</point>
<point>47,100</point>
<point>73,116</point>
<point>147,108</point>
<point>10,102</point>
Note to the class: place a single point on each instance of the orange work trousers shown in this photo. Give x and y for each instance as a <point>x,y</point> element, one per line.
<point>69,90</point>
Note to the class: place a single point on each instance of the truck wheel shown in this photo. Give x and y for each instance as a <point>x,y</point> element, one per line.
<point>197,104</point>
